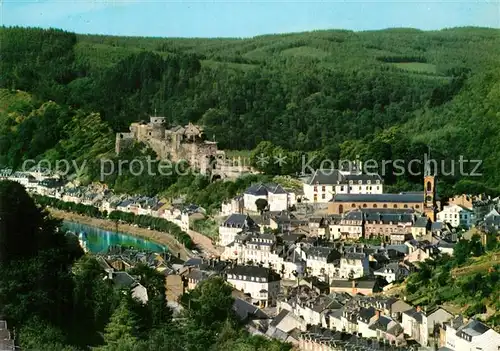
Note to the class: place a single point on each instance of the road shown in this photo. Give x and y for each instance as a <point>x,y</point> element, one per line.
<point>204,243</point>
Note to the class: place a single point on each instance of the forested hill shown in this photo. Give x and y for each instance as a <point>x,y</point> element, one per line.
<point>381,94</point>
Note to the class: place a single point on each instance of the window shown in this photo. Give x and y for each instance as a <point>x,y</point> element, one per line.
<point>323,188</point>
<point>315,197</point>
<point>385,205</point>
<point>353,205</point>
<point>368,182</point>
<point>323,196</point>
<point>405,206</point>
<point>364,205</point>
<point>374,205</point>
<point>315,188</point>
<point>360,182</point>
<point>342,188</point>
<point>417,206</point>
<point>395,206</point>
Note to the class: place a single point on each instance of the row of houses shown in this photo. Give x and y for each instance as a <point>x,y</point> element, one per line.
<point>318,316</point>
<point>98,195</point>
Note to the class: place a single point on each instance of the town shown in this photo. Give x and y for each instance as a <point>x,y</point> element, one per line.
<point>315,266</point>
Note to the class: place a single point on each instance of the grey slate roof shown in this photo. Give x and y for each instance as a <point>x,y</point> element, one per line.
<point>402,197</point>
<point>246,310</point>
<point>334,176</point>
<point>421,222</point>
<point>123,279</point>
<point>474,328</point>
<point>277,320</point>
<point>265,189</point>
<point>238,220</point>
<point>388,217</point>
<point>326,177</point>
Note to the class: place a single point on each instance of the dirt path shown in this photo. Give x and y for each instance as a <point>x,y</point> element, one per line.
<point>160,237</point>
<point>204,243</point>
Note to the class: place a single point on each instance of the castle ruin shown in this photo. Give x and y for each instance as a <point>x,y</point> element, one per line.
<point>181,144</point>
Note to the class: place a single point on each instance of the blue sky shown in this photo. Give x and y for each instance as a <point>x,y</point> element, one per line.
<point>166,18</point>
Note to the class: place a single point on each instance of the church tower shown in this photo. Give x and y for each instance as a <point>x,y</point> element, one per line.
<point>430,197</point>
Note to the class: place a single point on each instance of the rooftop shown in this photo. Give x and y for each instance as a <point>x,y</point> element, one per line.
<point>396,198</point>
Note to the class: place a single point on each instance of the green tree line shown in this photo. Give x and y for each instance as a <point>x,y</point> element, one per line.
<point>56,298</point>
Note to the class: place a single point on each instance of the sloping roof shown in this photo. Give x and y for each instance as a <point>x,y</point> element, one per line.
<point>396,198</point>
<point>421,222</point>
<point>475,328</point>
<point>264,189</point>
<point>245,310</point>
<point>123,280</point>
<point>326,177</point>
<point>277,320</point>
<point>239,220</point>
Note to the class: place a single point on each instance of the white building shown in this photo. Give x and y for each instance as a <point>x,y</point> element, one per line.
<point>456,215</point>
<point>262,284</point>
<point>471,337</point>
<point>319,260</point>
<point>392,272</point>
<point>262,249</point>
<point>352,265</point>
<point>366,318</point>
<point>25,179</point>
<point>233,225</point>
<point>277,198</point>
<point>325,183</point>
<point>235,205</point>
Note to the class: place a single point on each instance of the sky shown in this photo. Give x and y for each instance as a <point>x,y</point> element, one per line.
<point>236,18</point>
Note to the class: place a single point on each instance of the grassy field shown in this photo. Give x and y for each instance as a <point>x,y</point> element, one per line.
<point>416,67</point>
<point>305,51</point>
<point>479,265</point>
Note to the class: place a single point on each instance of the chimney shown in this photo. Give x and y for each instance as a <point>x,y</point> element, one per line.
<point>419,309</point>
<point>354,290</point>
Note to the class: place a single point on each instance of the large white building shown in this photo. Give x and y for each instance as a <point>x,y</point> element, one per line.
<point>262,284</point>
<point>471,336</point>
<point>278,199</point>
<point>325,183</point>
<point>456,215</point>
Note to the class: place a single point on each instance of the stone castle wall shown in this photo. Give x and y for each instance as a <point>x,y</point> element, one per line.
<point>182,143</point>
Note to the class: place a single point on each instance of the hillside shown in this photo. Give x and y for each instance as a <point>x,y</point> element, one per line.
<point>379,95</point>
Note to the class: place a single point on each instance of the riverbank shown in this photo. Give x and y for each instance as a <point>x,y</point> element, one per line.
<point>159,237</point>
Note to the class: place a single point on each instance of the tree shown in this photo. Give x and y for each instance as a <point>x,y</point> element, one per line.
<point>210,303</point>
<point>122,328</point>
<point>36,282</point>
<point>261,205</point>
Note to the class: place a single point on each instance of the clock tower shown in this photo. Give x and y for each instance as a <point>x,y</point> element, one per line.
<point>430,197</point>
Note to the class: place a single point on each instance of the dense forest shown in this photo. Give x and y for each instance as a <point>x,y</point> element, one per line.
<point>382,95</point>
<point>56,298</point>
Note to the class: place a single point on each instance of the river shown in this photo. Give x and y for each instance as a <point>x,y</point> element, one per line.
<point>98,240</point>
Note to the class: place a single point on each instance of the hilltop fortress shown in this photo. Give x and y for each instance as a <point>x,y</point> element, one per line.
<point>182,143</point>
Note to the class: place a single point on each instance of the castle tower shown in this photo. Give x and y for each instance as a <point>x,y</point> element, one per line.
<point>430,197</point>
